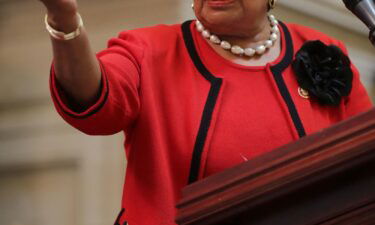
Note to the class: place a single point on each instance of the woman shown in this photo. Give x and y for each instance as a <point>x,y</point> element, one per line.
<point>197,98</point>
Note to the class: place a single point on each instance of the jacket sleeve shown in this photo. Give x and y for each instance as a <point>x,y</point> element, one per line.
<point>358,100</point>
<point>118,102</point>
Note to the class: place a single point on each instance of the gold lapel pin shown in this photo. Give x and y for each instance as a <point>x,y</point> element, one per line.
<point>303,93</point>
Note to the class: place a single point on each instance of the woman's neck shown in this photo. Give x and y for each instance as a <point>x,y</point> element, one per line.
<point>251,37</point>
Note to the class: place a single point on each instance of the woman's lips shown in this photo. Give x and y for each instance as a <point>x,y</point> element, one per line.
<point>219,3</point>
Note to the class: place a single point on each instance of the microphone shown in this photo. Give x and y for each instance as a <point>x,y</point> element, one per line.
<point>365,11</point>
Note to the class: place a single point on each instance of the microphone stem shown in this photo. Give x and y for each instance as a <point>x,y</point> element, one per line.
<point>372,36</point>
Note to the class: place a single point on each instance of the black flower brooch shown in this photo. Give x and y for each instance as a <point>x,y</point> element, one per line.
<point>324,71</point>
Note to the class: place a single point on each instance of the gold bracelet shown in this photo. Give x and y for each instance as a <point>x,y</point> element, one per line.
<point>59,35</point>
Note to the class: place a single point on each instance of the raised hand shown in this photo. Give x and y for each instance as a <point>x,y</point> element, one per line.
<point>60,7</point>
<point>76,67</point>
<point>62,14</point>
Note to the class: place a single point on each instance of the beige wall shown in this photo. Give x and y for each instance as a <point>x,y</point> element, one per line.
<point>50,174</point>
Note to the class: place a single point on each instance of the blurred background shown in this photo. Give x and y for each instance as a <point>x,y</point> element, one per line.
<point>50,174</point>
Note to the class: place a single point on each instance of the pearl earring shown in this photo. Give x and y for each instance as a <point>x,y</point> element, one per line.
<point>192,5</point>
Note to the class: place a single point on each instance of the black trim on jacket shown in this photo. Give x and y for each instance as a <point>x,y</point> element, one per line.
<point>117,222</point>
<point>75,109</point>
<point>209,106</point>
<point>216,83</point>
<point>277,71</point>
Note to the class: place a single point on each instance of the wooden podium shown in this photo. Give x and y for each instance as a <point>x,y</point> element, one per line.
<point>326,178</point>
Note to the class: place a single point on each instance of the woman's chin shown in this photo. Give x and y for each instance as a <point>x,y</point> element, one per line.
<point>216,21</point>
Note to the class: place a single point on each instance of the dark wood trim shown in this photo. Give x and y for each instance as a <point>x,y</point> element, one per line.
<point>362,215</point>
<point>281,172</point>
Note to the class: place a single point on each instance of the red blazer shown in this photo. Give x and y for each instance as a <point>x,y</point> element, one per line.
<point>157,90</point>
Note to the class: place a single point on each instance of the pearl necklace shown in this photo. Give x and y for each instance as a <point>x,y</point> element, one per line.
<point>237,50</point>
